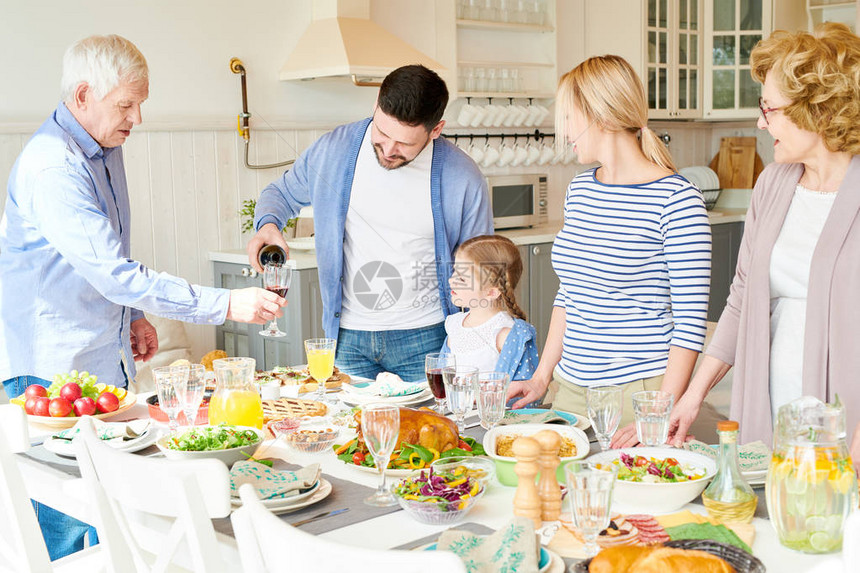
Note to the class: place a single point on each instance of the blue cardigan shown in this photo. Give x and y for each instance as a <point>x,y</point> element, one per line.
<point>322,176</point>
<point>519,354</point>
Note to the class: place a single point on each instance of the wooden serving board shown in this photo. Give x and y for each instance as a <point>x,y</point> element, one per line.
<point>737,164</point>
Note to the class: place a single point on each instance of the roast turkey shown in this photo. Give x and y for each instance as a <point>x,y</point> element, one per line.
<point>423,427</point>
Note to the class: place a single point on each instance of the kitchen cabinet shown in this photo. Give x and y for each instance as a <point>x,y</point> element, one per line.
<point>726,242</point>
<point>542,288</point>
<point>841,11</point>
<point>302,319</point>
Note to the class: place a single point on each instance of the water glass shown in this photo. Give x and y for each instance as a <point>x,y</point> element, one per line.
<point>191,393</point>
<point>492,395</point>
<point>380,426</point>
<point>605,406</point>
<point>168,381</point>
<point>589,490</point>
<point>460,383</point>
<point>651,409</point>
<point>433,365</point>
<point>320,352</point>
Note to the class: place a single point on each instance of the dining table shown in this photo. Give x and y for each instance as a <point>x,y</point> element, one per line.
<point>55,481</point>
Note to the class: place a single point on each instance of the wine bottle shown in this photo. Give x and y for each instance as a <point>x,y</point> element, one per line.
<point>271,255</point>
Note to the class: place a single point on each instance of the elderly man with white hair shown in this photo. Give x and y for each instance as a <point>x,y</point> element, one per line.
<point>70,296</point>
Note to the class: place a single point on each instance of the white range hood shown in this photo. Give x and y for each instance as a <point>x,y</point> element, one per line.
<point>342,40</point>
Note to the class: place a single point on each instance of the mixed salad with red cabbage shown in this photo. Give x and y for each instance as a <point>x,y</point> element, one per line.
<point>652,470</point>
<point>451,490</point>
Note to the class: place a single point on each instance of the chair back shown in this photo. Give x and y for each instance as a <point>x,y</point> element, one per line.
<point>138,498</point>
<point>21,545</point>
<point>268,544</point>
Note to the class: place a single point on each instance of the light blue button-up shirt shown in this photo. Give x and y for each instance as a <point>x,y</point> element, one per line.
<point>68,289</point>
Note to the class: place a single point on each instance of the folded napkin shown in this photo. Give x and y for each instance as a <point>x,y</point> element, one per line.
<point>753,457</point>
<point>109,431</point>
<point>388,385</point>
<point>514,547</point>
<point>543,417</point>
<point>675,525</point>
<point>270,483</point>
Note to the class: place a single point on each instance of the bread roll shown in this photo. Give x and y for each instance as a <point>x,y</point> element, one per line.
<point>671,560</point>
<point>617,559</point>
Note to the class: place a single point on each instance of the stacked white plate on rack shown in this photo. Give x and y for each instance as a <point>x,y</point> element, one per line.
<point>701,176</point>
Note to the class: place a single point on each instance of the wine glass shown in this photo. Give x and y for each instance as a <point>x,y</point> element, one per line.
<point>276,278</point>
<point>604,405</point>
<point>492,395</point>
<point>589,489</point>
<point>320,352</point>
<point>191,393</point>
<point>433,365</point>
<point>460,382</point>
<point>380,426</point>
<point>167,380</point>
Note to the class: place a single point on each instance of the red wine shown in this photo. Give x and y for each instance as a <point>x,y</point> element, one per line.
<point>437,386</point>
<point>281,291</point>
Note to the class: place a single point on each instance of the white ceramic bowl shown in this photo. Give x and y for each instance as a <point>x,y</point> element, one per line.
<point>505,465</point>
<point>653,498</point>
<point>229,457</point>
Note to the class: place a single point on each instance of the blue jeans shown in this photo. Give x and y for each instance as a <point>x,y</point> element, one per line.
<point>63,534</point>
<point>366,353</point>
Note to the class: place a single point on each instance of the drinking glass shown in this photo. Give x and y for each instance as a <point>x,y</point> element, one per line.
<point>191,393</point>
<point>320,352</point>
<point>589,490</point>
<point>604,405</point>
<point>168,379</point>
<point>460,382</point>
<point>433,365</point>
<point>276,278</point>
<point>651,409</point>
<point>492,395</point>
<point>380,425</point>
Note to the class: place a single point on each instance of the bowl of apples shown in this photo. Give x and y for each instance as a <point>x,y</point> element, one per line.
<point>71,396</point>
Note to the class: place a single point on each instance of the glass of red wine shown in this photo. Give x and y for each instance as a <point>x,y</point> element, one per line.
<point>276,278</point>
<point>433,365</point>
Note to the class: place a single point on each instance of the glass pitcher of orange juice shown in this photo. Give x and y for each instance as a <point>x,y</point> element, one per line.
<point>236,400</point>
<point>811,486</point>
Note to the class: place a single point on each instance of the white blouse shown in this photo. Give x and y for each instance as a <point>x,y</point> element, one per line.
<point>789,281</point>
<point>476,346</point>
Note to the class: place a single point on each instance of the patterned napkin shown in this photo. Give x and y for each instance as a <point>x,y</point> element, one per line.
<point>753,457</point>
<point>109,431</point>
<point>270,483</point>
<point>544,417</point>
<point>388,385</point>
<point>514,547</point>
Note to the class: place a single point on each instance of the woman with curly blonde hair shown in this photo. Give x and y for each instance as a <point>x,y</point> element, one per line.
<point>791,325</point>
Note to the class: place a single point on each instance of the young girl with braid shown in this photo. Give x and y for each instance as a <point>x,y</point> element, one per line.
<point>492,334</point>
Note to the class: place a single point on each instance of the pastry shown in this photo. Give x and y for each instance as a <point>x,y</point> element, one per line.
<point>671,560</point>
<point>617,559</point>
<point>210,357</point>
<point>291,408</point>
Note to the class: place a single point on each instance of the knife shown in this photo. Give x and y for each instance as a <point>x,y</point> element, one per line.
<point>320,516</point>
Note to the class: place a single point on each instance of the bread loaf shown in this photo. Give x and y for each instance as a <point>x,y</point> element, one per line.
<point>671,560</point>
<point>617,559</point>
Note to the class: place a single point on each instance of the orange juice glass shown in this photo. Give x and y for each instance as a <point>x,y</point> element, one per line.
<point>320,352</point>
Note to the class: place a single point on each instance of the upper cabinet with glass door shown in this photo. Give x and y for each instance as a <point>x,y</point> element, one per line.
<point>734,27</point>
<point>672,67</point>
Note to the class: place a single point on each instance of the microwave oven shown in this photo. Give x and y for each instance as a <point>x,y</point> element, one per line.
<point>518,200</point>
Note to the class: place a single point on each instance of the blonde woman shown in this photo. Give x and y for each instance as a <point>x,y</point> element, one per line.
<point>633,258</point>
<point>791,325</point>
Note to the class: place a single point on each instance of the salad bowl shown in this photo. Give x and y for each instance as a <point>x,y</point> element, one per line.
<point>639,490</point>
<point>229,444</point>
<point>505,464</point>
<point>438,497</point>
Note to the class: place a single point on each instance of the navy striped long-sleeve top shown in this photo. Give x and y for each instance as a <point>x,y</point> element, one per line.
<point>634,265</point>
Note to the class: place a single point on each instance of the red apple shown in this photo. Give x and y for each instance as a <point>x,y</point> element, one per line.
<point>30,406</point>
<point>70,391</point>
<point>107,402</point>
<point>42,406</point>
<point>59,407</point>
<point>35,391</point>
<point>85,406</point>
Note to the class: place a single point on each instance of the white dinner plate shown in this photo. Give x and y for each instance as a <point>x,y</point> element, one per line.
<point>411,400</point>
<point>388,473</point>
<point>66,448</point>
<point>291,504</point>
<point>281,501</point>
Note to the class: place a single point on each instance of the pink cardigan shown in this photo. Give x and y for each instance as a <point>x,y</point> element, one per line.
<point>831,355</point>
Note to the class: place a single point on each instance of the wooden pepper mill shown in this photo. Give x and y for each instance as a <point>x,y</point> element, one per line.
<point>548,488</point>
<point>527,501</point>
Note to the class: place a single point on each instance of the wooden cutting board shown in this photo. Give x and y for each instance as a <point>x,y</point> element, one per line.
<point>737,164</point>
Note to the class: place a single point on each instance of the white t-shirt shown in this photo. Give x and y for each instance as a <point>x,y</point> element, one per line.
<point>389,279</point>
<point>476,345</point>
<point>789,282</point>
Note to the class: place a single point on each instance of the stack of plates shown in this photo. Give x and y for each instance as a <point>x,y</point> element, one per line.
<point>353,398</point>
<point>755,477</point>
<point>701,176</point>
<point>316,493</point>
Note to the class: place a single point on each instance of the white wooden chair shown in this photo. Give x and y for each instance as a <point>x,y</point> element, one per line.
<point>269,545</point>
<point>22,547</point>
<point>139,498</point>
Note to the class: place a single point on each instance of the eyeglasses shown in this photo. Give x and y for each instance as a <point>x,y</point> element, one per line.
<point>766,110</point>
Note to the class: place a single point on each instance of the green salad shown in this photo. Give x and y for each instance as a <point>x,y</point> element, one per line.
<point>222,437</point>
<point>653,470</point>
